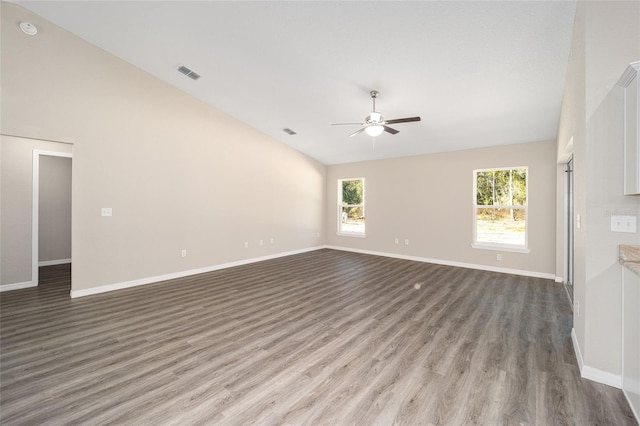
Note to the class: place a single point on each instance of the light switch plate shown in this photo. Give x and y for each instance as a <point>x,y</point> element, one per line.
<point>106,211</point>
<point>623,223</point>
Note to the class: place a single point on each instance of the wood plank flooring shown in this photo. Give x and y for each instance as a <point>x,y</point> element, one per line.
<point>320,338</point>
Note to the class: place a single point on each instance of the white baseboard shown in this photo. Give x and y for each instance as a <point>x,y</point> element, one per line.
<point>149,280</point>
<point>54,262</point>
<point>600,376</point>
<point>182,274</point>
<point>17,286</point>
<point>576,349</point>
<point>591,373</point>
<point>450,263</point>
<point>635,412</point>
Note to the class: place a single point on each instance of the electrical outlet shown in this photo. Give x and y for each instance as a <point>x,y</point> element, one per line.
<point>246,244</point>
<point>406,242</point>
<point>317,235</point>
<point>499,256</point>
<point>106,211</point>
<point>261,242</point>
<point>397,241</point>
<point>272,240</point>
<point>184,252</point>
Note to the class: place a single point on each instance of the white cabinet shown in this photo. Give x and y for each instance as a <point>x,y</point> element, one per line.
<point>629,82</point>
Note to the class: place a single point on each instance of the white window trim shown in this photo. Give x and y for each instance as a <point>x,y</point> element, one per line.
<point>351,234</point>
<point>501,247</point>
<point>515,248</point>
<point>339,209</point>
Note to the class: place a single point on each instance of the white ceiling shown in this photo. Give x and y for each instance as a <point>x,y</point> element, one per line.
<point>479,73</point>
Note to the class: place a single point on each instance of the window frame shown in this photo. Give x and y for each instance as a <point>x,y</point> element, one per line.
<point>517,248</point>
<point>339,209</point>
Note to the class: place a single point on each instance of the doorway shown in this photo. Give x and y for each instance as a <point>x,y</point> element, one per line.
<point>51,210</point>
<point>569,230</point>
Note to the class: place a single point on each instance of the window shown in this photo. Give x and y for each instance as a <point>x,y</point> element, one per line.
<point>500,208</point>
<point>351,207</point>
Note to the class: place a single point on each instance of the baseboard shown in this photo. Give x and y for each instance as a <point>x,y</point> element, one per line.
<point>54,262</point>
<point>604,377</point>
<point>576,349</point>
<point>591,373</point>
<point>449,263</point>
<point>559,280</point>
<point>635,412</point>
<point>182,274</point>
<point>17,286</point>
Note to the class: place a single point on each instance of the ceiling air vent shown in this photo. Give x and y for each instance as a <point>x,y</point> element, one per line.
<point>188,72</point>
<point>288,131</point>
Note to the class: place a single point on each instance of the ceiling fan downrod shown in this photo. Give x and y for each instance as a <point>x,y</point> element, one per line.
<point>374,94</point>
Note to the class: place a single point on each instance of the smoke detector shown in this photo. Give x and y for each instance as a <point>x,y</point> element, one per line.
<point>28,28</point>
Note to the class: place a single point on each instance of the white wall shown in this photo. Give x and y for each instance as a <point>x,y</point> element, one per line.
<point>429,199</point>
<point>177,173</point>
<point>571,141</point>
<point>606,39</point>
<point>54,223</point>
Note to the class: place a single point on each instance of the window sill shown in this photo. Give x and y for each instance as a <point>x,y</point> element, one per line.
<point>350,234</point>
<point>498,247</point>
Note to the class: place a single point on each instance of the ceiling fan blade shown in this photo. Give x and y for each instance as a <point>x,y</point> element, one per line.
<point>348,124</point>
<point>403,120</point>
<point>357,132</point>
<point>390,130</point>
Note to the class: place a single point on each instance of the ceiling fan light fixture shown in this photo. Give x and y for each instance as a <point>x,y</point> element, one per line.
<point>374,130</point>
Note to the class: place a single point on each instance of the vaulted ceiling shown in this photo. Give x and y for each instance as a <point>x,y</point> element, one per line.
<point>479,73</point>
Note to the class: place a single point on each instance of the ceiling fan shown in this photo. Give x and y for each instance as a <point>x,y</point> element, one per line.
<point>374,124</point>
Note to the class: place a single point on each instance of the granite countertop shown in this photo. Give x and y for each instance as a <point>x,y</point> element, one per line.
<point>630,257</point>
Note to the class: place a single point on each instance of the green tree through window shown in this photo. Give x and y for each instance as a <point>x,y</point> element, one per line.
<point>351,218</point>
<point>352,192</point>
<point>501,206</point>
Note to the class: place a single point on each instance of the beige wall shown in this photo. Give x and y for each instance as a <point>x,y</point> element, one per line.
<point>54,223</point>
<point>606,39</point>
<point>177,173</point>
<point>429,200</point>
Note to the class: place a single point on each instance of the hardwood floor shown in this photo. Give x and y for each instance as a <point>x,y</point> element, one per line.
<point>325,337</point>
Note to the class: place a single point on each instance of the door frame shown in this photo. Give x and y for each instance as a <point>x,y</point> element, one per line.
<point>35,208</point>
<point>569,232</point>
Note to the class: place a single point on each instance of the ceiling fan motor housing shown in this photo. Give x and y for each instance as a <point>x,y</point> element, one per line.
<point>374,117</point>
